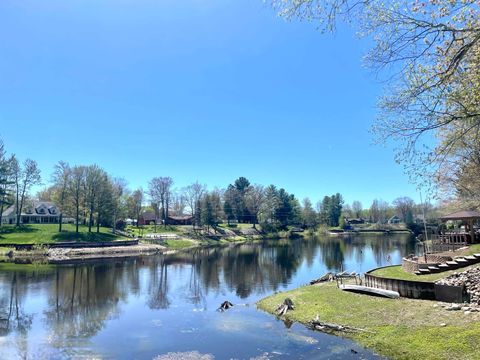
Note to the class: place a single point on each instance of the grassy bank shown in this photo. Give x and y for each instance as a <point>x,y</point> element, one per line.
<point>152,229</point>
<point>48,233</point>
<point>400,329</point>
<point>396,272</point>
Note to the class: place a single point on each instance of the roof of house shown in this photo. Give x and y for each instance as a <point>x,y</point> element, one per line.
<point>9,211</point>
<point>35,208</point>
<point>462,215</point>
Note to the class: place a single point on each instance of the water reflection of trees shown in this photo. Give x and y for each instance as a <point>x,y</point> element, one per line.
<point>158,284</point>
<point>12,314</point>
<point>250,268</point>
<point>15,319</point>
<point>81,298</point>
<point>335,250</point>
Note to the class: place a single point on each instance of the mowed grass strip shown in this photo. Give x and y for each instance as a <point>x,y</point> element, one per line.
<point>180,244</point>
<point>399,329</point>
<point>396,272</point>
<point>48,233</point>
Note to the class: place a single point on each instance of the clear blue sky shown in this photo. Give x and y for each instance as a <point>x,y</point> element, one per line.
<point>200,89</point>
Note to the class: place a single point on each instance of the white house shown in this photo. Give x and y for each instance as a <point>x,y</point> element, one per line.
<point>33,212</point>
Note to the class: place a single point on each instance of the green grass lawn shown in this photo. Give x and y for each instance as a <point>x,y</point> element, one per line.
<point>180,244</point>
<point>48,233</point>
<point>152,229</point>
<point>396,272</point>
<point>400,329</point>
<point>474,249</point>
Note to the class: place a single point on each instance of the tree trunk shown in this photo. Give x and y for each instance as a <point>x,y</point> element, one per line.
<point>60,219</point>
<point>90,220</point>
<point>163,213</point>
<point>114,227</point>
<point>62,203</point>
<point>17,203</point>
<point>77,215</point>
<point>22,199</point>
<point>1,210</point>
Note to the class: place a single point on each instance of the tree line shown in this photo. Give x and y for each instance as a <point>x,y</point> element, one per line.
<point>88,195</point>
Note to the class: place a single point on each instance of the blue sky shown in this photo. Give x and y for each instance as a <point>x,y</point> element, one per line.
<point>197,90</point>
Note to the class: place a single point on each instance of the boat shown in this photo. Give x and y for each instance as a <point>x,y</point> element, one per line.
<point>370,291</point>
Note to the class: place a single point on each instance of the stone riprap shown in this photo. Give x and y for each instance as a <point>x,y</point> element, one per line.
<point>471,280</point>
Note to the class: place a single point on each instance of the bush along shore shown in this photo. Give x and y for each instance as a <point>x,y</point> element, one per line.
<point>396,328</point>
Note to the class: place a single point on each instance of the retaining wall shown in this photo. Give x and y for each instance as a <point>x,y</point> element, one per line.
<point>412,265</point>
<point>416,289</point>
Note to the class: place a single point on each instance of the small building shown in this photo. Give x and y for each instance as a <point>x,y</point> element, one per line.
<point>148,218</point>
<point>358,221</point>
<point>180,220</point>
<point>465,223</point>
<point>33,212</point>
<point>394,220</point>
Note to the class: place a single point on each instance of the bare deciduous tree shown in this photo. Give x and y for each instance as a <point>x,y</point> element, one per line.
<point>193,193</point>
<point>76,189</point>
<point>61,180</point>
<point>24,179</point>
<point>254,198</point>
<point>430,52</point>
<point>159,189</point>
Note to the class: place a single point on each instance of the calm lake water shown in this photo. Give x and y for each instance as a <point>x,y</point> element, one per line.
<point>146,307</point>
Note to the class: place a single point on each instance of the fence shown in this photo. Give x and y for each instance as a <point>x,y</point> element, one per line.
<point>447,242</point>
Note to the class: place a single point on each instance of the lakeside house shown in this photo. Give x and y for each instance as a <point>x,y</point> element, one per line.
<point>358,221</point>
<point>33,212</point>
<point>148,218</point>
<point>394,220</point>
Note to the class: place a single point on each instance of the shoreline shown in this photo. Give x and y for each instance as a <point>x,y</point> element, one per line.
<point>42,253</point>
<point>399,329</point>
<point>56,255</point>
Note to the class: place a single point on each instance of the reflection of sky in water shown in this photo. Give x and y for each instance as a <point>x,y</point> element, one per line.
<point>149,306</point>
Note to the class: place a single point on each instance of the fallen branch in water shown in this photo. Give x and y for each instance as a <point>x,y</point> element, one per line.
<point>327,277</point>
<point>316,324</point>
<point>284,307</point>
